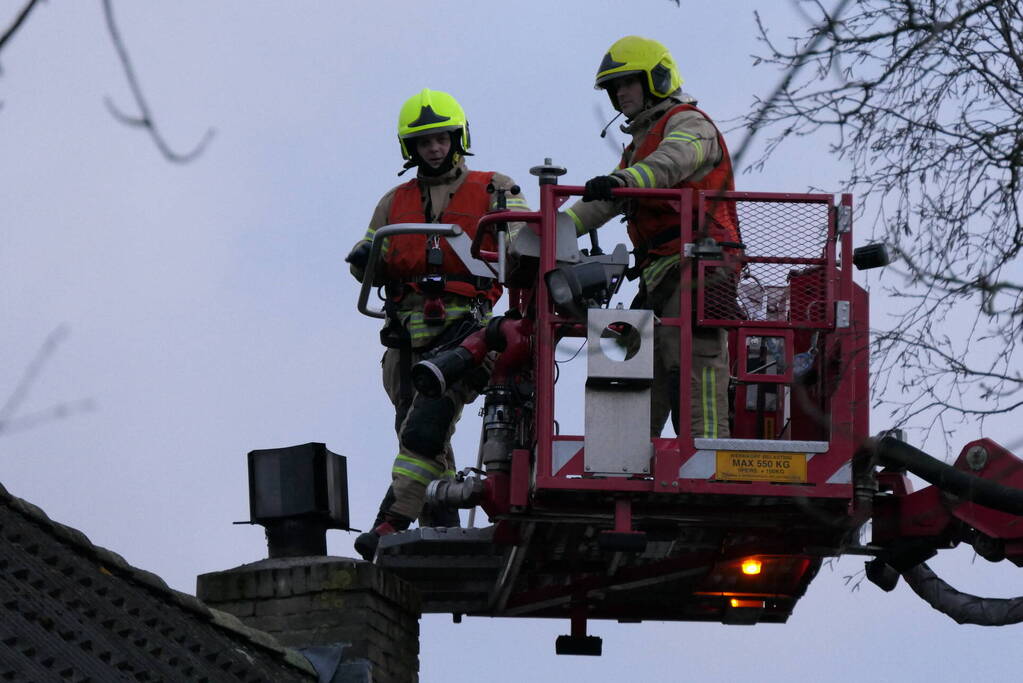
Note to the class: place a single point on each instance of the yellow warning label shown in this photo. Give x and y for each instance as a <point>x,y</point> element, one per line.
<point>759,466</point>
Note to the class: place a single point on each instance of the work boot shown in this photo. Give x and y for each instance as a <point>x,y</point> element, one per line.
<point>385,505</point>
<point>366,543</point>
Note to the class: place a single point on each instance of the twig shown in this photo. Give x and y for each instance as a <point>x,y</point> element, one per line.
<point>28,378</point>
<point>854,580</point>
<point>56,412</point>
<point>8,422</point>
<point>790,74</point>
<point>18,21</point>
<point>145,119</point>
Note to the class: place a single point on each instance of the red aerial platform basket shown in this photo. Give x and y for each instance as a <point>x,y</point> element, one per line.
<point>614,524</point>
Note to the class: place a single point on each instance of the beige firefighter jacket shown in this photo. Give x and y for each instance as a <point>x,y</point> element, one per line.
<point>689,150</point>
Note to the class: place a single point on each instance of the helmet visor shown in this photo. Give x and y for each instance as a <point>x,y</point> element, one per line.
<point>604,79</point>
<point>430,131</point>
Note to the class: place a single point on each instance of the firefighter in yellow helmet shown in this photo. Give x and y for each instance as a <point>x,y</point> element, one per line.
<point>431,298</point>
<point>674,144</point>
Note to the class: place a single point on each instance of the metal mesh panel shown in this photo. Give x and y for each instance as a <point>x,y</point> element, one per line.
<point>791,289</point>
<point>783,229</point>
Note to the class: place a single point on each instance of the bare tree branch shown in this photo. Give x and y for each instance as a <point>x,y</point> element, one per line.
<point>8,422</point>
<point>28,378</point>
<point>145,118</point>
<point>757,119</point>
<point>924,100</point>
<point>56,412</point>
<point>18,21</point>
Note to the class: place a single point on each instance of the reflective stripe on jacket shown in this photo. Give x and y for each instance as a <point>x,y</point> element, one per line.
<point>652,220</point>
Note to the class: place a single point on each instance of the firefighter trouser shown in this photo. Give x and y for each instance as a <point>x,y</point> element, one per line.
<point>708,383</point>
<point>424,427</point>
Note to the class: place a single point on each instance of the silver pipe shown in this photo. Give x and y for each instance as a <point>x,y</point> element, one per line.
<point>479,467</point>
<point>502,243</point>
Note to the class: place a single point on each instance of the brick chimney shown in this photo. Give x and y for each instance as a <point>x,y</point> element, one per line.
<point>305,601</point>
<point>301,596</point>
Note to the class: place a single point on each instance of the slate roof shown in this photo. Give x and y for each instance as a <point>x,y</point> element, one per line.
<point>71,611</point>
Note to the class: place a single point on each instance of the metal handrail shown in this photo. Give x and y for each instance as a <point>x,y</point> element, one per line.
<point>441,229</point>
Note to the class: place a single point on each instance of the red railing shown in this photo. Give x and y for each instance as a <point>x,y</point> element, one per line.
<point>789,283</point>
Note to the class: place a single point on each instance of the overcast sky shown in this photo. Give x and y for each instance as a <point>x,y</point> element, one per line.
<point>209,311</point>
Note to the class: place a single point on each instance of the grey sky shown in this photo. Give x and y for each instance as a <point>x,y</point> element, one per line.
<point>211,314</point>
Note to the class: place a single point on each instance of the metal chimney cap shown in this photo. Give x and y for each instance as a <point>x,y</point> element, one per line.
<point>305,481</point>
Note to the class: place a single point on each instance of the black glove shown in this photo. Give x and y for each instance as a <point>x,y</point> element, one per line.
<point>600,188</point>
<point>359,255</point>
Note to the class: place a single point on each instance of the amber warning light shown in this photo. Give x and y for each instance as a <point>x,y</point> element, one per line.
<point>751,567</point>
<point>755,604</point>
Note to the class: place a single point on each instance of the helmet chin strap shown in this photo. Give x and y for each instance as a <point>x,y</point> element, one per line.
<point>455,155</point>
<point>429,171</point>
<point>411,163</point>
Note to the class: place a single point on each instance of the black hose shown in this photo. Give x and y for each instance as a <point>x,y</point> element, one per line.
<point>947,478</point>
<point>964,608</point>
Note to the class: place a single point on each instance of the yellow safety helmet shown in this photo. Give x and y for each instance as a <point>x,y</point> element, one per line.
<point>633,55</point>
<point>432,111</point>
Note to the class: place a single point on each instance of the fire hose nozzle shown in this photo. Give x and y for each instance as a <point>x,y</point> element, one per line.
<point>432,377</point>
<point>466,493</point>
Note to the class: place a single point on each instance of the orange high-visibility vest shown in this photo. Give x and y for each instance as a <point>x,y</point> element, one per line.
<point>406,255</point>
<point>653,221</point>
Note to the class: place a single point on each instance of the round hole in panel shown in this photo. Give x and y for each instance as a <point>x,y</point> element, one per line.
<point>620,341</point>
